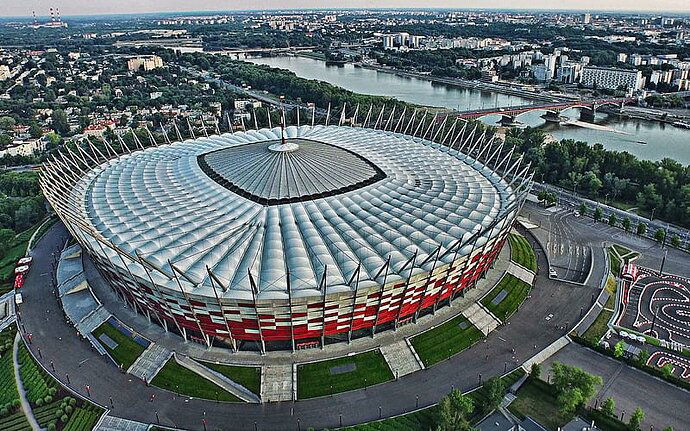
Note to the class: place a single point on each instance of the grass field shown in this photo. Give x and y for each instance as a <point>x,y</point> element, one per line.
<point>599,327</point>
<point>445,340</point>
<point>176,378</point>
<point>425,419</point>
<point>315,379</point>
<point>538,400</point>
<point>521,252</point>
<point>249,377</point>
<point>127,350</point>
<point>517,292</point>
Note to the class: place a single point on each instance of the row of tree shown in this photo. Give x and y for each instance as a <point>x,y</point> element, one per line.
<point>659,186</point>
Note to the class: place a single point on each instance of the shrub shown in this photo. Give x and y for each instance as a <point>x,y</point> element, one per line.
<point>64,419</point>
<point>608,407</point>
<point>39,402</point>
<point>51,426</point>
<point>4,412</point>
<point>535,371</point>
<point>47,399</point>
<point>69,410</point>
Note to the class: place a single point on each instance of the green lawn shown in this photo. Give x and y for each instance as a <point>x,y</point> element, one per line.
<point>521,252</point>
<point>599,327</point>
<point>517,292</point>
<point>445,340</point>
<point>315,379</point>
<point>425,419</point>
<point>537,399</point>
<point>249,377</point>
<point>176,378</point>
<point>127,350</point>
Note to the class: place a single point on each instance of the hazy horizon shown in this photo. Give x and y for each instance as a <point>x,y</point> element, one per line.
<point>81,7</point>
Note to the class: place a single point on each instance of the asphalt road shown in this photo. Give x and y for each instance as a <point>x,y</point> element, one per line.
<point>529,327</point>
<point>663,403</point>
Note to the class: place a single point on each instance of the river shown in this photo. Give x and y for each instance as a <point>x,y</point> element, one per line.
<point>645,139</point>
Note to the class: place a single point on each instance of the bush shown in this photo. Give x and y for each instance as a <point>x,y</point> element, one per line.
<point>47,399</point>
<point>4,412</point>
<point>64,419</point>
<point>69,410</point>
<point>39,402</point>
<point>535,371</point>
<point>51,426</point>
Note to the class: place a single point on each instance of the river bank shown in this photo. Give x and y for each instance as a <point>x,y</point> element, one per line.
<point>662,140</point>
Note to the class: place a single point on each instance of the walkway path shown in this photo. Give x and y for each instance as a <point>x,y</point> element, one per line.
<point>150,362</point>
<point>277,383</point>
<point>480,318</point>
<point>111,423</point>
<point>520,273</point>
<point>26,407</point>
<point>400,357</point>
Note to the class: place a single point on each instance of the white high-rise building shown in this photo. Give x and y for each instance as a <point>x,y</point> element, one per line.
<point>611,78</point>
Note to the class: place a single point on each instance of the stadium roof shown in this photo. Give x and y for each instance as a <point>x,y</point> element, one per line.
<point>346,198</point>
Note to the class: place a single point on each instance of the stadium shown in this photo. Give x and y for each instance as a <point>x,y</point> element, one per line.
<point>285,238</point>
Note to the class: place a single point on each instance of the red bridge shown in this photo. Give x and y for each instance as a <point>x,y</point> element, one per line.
<point>589,106</point>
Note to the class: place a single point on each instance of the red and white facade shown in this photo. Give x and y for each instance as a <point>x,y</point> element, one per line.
<point>254,279</point>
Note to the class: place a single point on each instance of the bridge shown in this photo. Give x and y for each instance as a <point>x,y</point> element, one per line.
<point>551,110</point>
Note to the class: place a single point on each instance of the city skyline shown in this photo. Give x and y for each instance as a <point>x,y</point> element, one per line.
<point>79,7</point>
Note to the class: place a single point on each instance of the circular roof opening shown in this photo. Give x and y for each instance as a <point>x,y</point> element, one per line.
<point>275,172</point>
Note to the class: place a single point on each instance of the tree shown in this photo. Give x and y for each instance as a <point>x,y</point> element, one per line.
<point>626,224</point>
<point>569,400</point>
<point>7,123</point>
<point>583,209</point>
<point>573,384</point>
<point>60,122</point>
<point>598,214</point>
<point>641,229</point>
<point>495,390</point>
<point>636,419</point>
<point>675,241</point>
<point>667,370</point>
<point>613,220</point>
<point>35,130</point>
<point>619,349</point>
<point>608,407</point>
<point>6,239</point>
<point>535,371</point>
<point>455,410</point>
<point>660,235</point>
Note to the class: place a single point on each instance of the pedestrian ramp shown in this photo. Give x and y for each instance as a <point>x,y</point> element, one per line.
<point>521,273</point>
<point>277,383</point>
<point>150,362</point>
<point>545,354</point>
<point>222,381</point>
<point>112,423</point>
<point>400,358</point>
<point>93,320</point>
<point>482,319</point>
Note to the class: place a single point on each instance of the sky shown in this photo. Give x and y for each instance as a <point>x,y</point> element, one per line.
<point>90,7</point>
